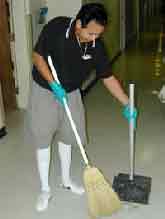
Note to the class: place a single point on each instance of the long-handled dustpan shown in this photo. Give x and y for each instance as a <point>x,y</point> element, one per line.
<point>131,187</point>
<point>102,200</point>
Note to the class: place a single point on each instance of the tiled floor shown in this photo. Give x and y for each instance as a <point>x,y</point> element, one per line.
<point>108,146</point>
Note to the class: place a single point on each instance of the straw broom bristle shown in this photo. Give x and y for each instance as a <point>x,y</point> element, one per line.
<point>102,200</point>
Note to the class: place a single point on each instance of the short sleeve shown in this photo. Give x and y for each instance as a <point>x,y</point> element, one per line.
<point>42,46</point>
<point>102,62</point>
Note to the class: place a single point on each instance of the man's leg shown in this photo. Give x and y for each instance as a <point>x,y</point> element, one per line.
<point>67,136</point>
<point>43,162</point>
<point>43,119</point>
<point>65,159</point>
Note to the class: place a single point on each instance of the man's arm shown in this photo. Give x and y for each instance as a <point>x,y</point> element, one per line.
<point>113,85</point>
<point>42,67</point>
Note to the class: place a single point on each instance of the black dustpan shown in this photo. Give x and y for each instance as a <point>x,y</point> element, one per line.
<point>132,187</point>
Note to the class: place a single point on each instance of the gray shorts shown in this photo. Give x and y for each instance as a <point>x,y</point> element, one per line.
<point>46,118</point>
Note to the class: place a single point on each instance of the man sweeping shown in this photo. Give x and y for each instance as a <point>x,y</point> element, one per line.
<point>76,48</point>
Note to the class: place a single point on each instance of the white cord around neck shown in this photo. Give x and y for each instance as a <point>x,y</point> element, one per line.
<point>85,49</point>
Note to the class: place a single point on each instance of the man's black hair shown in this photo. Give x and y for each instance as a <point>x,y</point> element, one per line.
<point>92,12</point>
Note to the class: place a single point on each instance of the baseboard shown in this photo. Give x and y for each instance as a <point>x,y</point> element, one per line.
<point>87,89</point>
<point>113,60</point>
<point>3,132</point>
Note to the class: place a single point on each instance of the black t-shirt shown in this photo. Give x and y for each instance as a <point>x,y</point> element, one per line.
<point>66,54</point>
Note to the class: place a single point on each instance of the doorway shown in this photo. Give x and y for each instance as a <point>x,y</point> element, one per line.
<point>127,22</point>
<point>130,16</point>
<point>122,25</point>
<point>6,65</point>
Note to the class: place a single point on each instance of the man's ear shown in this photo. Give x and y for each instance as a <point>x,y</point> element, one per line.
<point>78,24</point>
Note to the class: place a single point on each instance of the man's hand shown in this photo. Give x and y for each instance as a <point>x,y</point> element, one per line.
<point>127,114</point>
<point>58,91</point>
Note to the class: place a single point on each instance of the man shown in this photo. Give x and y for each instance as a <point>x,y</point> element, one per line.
<point>75,48</point>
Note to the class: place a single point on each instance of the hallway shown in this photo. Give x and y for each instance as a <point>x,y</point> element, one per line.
<point>108,145</point>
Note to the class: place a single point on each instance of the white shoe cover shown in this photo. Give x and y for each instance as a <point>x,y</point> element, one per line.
<point>79,190</point>
<point>161,94</point>
<point>43,200</point>
<point>65,158</point>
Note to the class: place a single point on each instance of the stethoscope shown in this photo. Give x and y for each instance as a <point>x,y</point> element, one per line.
<point>84,56</point>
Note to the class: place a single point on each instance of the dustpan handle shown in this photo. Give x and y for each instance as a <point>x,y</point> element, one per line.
<point>68,112</point>
<point>131,131</point>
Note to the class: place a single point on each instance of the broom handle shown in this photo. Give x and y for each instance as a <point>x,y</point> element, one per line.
<point>131,131</point>
<point>68,112</point>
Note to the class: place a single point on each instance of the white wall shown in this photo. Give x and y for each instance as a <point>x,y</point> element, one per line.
<point>22,47</point>
<point>63,7</point>
<point>35,5</point>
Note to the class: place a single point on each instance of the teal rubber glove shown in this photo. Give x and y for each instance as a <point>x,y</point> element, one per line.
<point>58,91</point>
<point>127,114</point>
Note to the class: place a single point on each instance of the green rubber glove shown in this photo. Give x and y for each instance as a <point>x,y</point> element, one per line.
<point>58,91</point>
<point>127,114</point>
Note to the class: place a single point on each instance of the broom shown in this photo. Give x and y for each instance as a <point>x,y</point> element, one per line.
<point>102,200</point>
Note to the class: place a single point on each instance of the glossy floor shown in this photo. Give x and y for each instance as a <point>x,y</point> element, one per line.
<point>108,146</point>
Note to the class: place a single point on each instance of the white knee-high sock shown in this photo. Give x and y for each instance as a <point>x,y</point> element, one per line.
<point>65,159</point>
<point>43,161</point>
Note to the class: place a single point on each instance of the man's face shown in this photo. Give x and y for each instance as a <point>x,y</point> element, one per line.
<point>89,33</point>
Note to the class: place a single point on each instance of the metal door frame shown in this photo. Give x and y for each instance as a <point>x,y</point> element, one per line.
<point>122,25</point>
